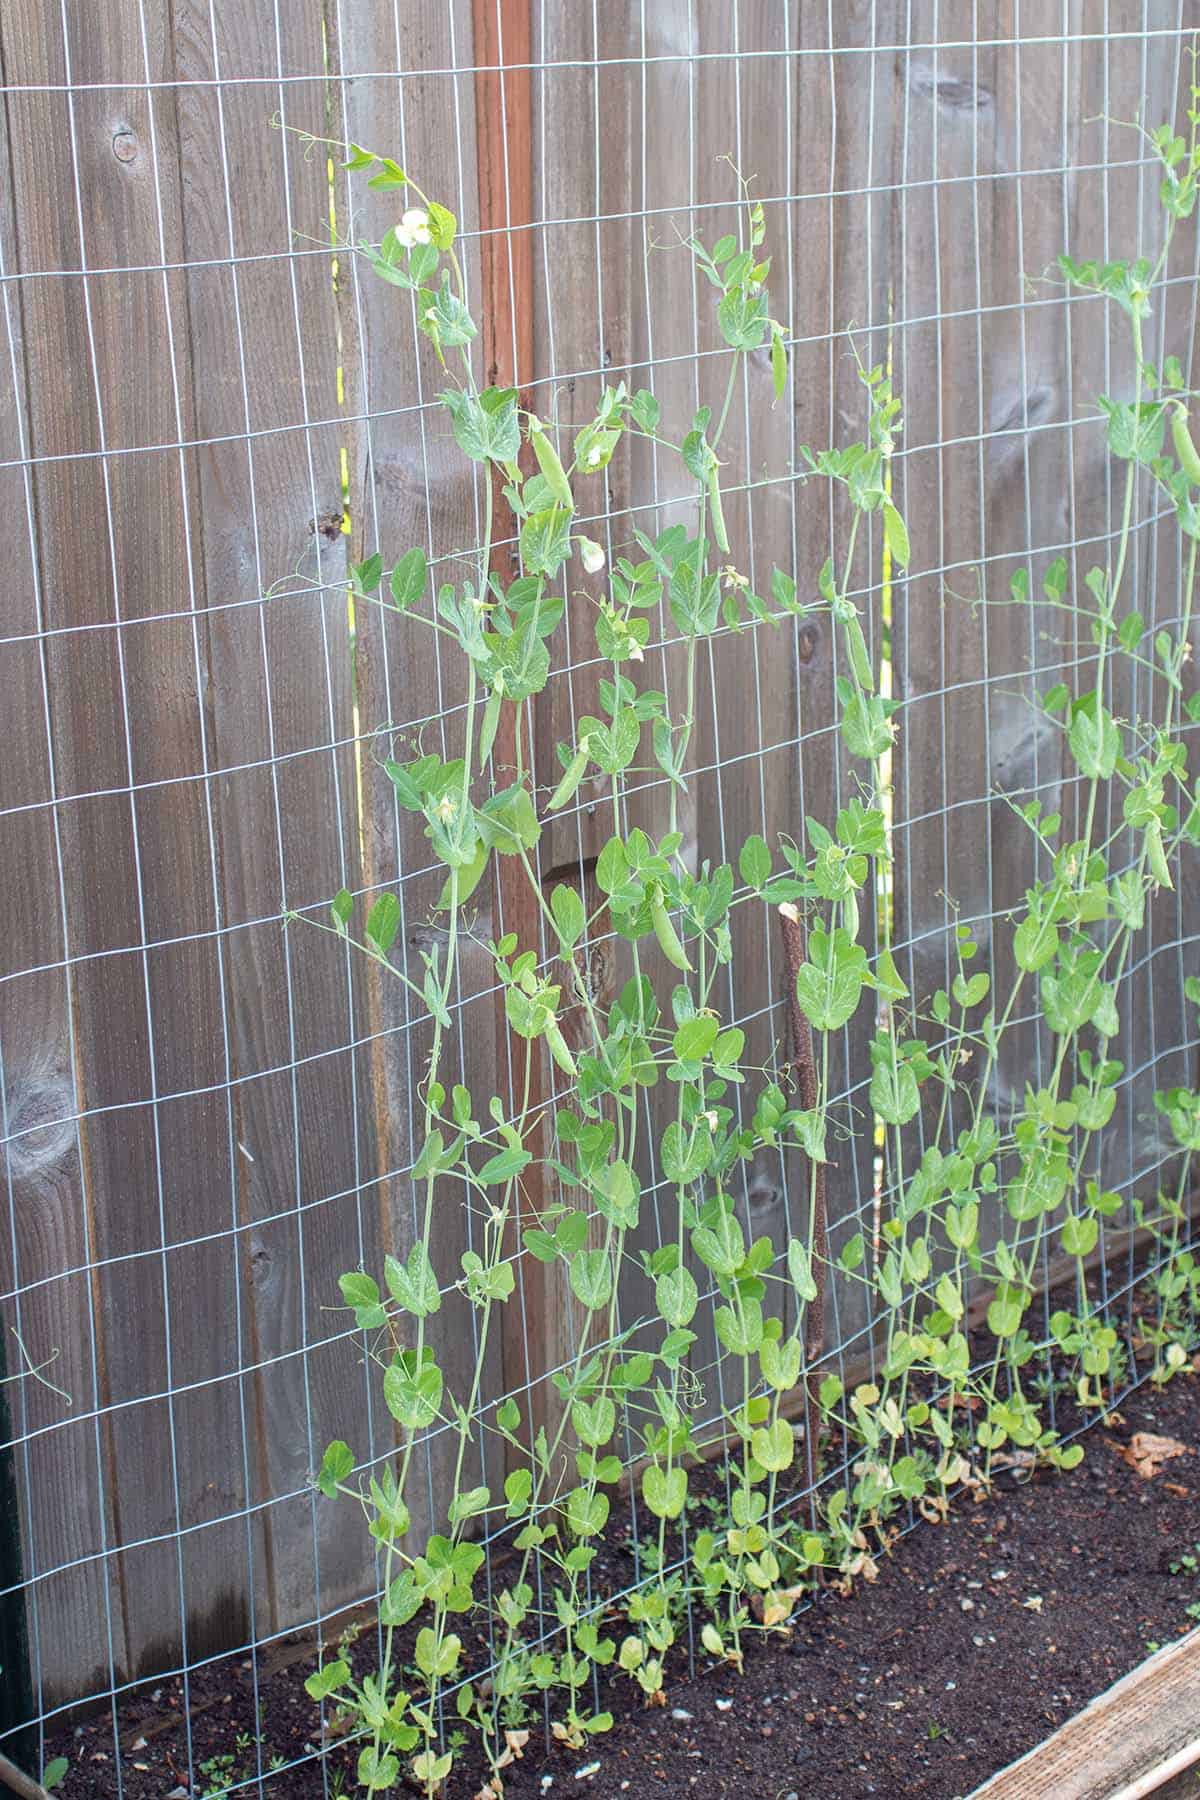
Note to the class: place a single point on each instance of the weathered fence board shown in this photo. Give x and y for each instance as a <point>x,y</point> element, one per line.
<point>129,738</point>
<point>264,337</point>
<point>61,1472</point>
<point>411,485</point>
<point>207,1118</point>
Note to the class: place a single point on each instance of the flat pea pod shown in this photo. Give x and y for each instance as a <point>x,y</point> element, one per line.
<point>551,467</point>
<point>665,932</point>
<point>572,776</point>
<point>1185,450</point>
<point>856,645</point>
<point>718,511</point>
<point>560,1050</point>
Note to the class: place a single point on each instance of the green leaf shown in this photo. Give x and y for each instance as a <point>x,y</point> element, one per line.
<point>1079,1234</point>
<point>341,909</point>
<point>321,1683</point>
<point>587,1513</point>
<point>754,863</point>
<point>1094,739</point>
<point>508,823</point>
<point>546,541</point>
<point>362,1293</point>
<point>1004,1315</point>
<point>970,993</point>
<point>780,1362</point>
<point>518,1486</point>
<point>442,225</point>
<point>800,1269</point>
<point>336,1465</point>
<point>865,727</point>
<point>895,535</point>
<point>485,425</point>
<point>829,986</point>
<point>696,1037</point>
<point>383,922</point>
<point>413,1399</point>
<point>569,915</point>
<point>720,1247</point>
<point>664,1491</point>
<point>503,1166</point>
<point>466,1506</point>
<point>852,1252</point>
<point>894,1094</point>
<point>408,579</point>
<point>949,1297</point>
<point>773,1446</point>
<point>413,1284</point>
<point>1035,943</point>
<point>591,1278</point>
<point>743,317</point>
<point>377,1770</point>
<point>740,1332</point>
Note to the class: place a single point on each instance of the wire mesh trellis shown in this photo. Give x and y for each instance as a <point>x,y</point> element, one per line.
<point>206,415</point>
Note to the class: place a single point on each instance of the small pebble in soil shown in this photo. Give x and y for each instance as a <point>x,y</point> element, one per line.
<point>967,1605</point>
<point>681,1713</point>
<point>588,1770</point>
<point>724,1705</point>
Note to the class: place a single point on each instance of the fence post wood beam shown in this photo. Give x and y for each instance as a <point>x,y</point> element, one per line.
<point>504,153</point>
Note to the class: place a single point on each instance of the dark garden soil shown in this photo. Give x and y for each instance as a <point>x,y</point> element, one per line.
<point>979,1637</point>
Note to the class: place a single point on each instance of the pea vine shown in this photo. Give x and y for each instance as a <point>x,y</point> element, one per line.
<point>939,1411</point>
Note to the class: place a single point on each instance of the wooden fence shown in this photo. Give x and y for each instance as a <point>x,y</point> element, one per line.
<point>205,416</point>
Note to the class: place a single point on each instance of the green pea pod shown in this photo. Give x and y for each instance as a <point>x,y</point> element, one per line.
<point>718,514</point>
<point>560,1050</point>
<point>551,467</point>
<point>572,777</point>
<point>1185,450</point>
<point>664,931</point>
<point>860,657</point>
<point>1156,855</point>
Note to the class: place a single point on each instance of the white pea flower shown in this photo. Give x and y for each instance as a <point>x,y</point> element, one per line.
<point>413,228</point>
<point>593,456</point>
<point>635,651</point>
<point>591,555</point>
<point>711,1119</point>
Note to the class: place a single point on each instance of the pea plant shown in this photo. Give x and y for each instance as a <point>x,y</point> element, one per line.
<point>941,1406</point>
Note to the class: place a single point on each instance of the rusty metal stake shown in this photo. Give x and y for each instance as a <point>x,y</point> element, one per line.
<point>804,1066</point>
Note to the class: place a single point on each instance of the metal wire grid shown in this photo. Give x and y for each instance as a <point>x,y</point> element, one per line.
<point>92,1410</point>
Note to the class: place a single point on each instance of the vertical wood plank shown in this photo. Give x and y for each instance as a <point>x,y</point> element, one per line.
<point>582,98</point>
<point>410,484</point>
<point>843,281</point>
<point>60,1472</point>
<point>265,358</point>
<point>119,579</point>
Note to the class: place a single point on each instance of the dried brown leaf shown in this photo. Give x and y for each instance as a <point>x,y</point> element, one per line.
<point>1146,1452</point>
